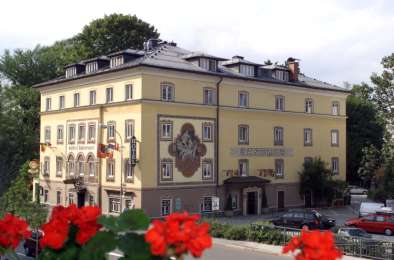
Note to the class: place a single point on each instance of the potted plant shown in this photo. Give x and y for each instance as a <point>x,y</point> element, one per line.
<point>228,209</point>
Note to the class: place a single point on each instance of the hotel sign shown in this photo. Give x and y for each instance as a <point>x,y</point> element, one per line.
<point>82,148</point>
<point>262,152</point>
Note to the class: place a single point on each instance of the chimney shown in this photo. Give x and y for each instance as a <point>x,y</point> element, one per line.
<point>294,67</point>
<point>151,44</point>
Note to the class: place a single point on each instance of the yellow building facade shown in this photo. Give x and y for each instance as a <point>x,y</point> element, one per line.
<point>211,133</point>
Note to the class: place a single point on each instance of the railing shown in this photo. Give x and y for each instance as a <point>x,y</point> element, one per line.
<point>352,246</point>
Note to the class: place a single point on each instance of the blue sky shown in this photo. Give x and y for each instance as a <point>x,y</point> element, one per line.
<point>336,41</point>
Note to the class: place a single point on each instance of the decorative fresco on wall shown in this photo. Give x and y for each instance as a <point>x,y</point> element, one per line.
<point>187,150</point>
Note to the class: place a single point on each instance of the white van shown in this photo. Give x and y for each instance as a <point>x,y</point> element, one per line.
<point>369,208</point>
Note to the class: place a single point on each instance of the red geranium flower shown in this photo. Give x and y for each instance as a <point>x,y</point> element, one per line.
<point>313,245</point>
<point>12,231</point>
<point>57,230</point>
<point>179,233</point>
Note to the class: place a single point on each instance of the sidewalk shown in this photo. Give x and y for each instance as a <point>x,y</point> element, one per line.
<point>263,248</point>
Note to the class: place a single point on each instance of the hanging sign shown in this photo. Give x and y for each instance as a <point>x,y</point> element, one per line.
<point>133,151</point>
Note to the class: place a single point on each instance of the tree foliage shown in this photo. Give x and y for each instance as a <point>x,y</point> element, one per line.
<point>114,32</point>
<point>370,162</point>
<point>18,200</point>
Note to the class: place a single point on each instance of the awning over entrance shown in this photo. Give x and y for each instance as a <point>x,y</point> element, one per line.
<point>245,181</point>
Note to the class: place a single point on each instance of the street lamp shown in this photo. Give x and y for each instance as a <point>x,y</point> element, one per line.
<point>103,126</point>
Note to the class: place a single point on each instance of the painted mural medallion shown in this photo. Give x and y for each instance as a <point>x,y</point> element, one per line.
<point>187,150</point>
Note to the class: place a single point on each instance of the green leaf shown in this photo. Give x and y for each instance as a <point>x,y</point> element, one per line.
<point>134,219</point>
<point>109,223</point>
<point>134,247</point>
<point>102,243</point>
<point>70,252</point>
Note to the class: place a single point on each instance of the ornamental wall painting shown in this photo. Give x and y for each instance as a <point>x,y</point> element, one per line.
<point>187,150</point>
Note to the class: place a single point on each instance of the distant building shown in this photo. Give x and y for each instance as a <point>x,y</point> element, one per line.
<point>207,127</point>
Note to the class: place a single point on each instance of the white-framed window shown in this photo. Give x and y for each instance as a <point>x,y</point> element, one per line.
<point>243,134</point>
<point>92,97</point>
<point>76,100</point>
<point>206,204</point>
<point>81,166</point>
<point>307,137</point>
<point>109,95</point>
<point>246,70</point>
<point>204,63</point>
<point>128,92</point>
<point>91,166</point>
<point>280,103</point>
<point>167,91</point>
<point>59,166</point>
<point>207,132</point>
<point>334,137</point>
<point>209,96</point>
<point>166,130</point>
<point>62,102</point>
<point>71,134</point>
<point>48,104</point>
<point>91,67</point>
<point>91,132</point>
<point>58,197</point>
<point>47,135</point>
<point>243,99</point>
<point>279,168</point>
<point>110,170</point>
<point>116,61</point>
<point>129,129</point>
<point>281,75</point>
<point>114,205</point>
<point>47,166</point>
<point>60,134</point>
<point>70,198</point>
<point>335,165</point>
<point>278,135</point>
<point>111,131</point>
<point>71,71</point>
<point>335,108</point>
<point>166,169</point>
<point>207,169</point>
<point>46,196</point>
<point>309,105</point>
<point>243,167</point>
<point>128,170</point>
<point>71,166</point>
<point>81,133</point>
<point>166,207</point>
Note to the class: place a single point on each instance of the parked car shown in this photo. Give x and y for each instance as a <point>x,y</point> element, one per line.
<point>301,218</point>
<point>357,190</point>
<point>30,244</point>
<point>353,232</point>
<point>374,223</point>
<point>367,208</point>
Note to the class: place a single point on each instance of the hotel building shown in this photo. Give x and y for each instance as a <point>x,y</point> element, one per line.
<point>211,132</point>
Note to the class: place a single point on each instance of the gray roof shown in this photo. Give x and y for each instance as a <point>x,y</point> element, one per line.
<point>274,67</point>
<point>238,60</point>
<point>202,55</point>
<point>167,56</point>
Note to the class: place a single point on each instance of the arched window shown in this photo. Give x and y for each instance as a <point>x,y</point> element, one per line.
<point>81,165</point>
<point>91,161</point>
<point>70,165</point>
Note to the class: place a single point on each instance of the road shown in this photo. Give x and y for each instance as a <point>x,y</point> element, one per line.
<point>220,252</point>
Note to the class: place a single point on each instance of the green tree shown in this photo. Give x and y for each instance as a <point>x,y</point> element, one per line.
<point>364,127</point>
<point>113,33</point>
<point>18,200</point>
<point>315,177</point>
<point>370,162</point>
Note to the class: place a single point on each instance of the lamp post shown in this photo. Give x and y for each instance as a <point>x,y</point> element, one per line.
<point>103,126</point>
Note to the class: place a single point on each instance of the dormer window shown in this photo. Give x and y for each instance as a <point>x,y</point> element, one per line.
<point>246,70</point>
<point>91,67</point>
<point>281,75</point>
<point>116,61</point>
<point>71,72</point>
<point>208,64</point>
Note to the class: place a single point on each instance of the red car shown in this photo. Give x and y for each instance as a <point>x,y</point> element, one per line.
<point>374,223</point>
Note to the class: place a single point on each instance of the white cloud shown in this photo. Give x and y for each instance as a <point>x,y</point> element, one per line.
<point>336,40</point>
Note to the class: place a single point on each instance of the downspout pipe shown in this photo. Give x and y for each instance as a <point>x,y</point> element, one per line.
<point>217,131</point>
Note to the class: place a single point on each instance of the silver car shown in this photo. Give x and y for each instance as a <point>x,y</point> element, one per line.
<point>357,190</point>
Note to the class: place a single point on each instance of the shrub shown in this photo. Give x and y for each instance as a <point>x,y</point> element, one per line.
<point>236,233</point>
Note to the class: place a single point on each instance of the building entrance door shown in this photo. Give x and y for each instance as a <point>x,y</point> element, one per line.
<point>281,199</point>
<point>252,203</point>
<point>81,199</point>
